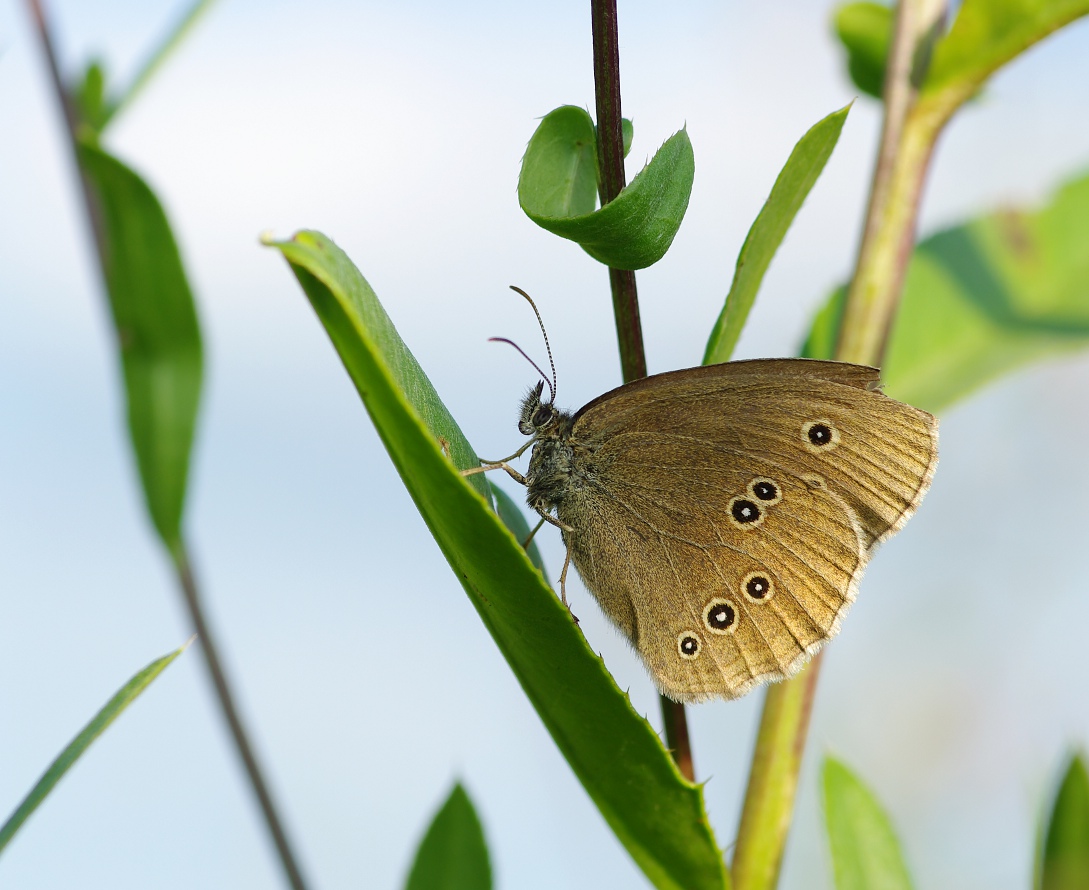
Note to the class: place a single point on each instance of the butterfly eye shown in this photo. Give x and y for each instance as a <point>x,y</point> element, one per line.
<point>720,616</point>
<point>688,644</point>
<point>745,513</point>
<point>542,416</point>
<point>758,587</point>
<point>765,490</point>
<point>820,435</point>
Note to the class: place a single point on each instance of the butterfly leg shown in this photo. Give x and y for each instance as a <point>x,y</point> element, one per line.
<point>484,468</point>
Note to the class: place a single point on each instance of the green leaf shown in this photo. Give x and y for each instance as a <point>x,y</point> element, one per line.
<point>157,331</point>
<point>614,752</point>
<point>627,133</point>
<point>986,35</point>
<point>865,852</point>
<point>793,184</point>
<point>515,521</point>
<point>557,189</point>
<point>124,697</point>
<point>89,97</point>
<point>984,298</point>
<point>1064,861</point>
<point>453,855</point>
<point>865,30</point>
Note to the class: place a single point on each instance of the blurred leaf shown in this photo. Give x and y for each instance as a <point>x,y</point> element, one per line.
<point>557,189</point>
<point>865,852</point>
<point>124,697</point>
<point>157,331</point>
<point>986,35</point>
<point>793,184</point>
<point>865,30</point>
<point>515,520</point>
<point>1064,862</point>
<point>614,752</point>
<point>627,133</point>
<point>89,97</point>
<point>984,298</point>
<point>453,855</point>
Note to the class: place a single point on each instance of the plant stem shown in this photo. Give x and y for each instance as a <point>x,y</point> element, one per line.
<point>210,648</point>
<point>907,141</point>
<point>629,331</point>
<point>185,576</point>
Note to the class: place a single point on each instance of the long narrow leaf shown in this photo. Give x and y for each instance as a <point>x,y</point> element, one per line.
<point>453,854</point>
<point>793,184</point>
<point>124,697</point>
<point>614,752</point>
<point>157,331</point>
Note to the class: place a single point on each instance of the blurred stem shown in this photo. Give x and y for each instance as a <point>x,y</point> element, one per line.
<point>185,576</point>
<point>208,645</point>
<point>172,41</point>
<point>907,141</point>
<point>629,331</point>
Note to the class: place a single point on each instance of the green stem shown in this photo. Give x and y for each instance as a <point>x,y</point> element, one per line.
<point>907,142</point>
<point>629,331</point>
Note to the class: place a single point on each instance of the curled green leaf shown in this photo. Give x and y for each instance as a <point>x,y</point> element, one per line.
<point>557,189</point>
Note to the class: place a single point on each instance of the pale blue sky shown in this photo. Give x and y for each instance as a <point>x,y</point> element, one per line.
<point>397,129</point>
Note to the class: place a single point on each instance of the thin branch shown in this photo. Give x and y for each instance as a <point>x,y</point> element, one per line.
<point>210,648</point>
<point>629,331</point>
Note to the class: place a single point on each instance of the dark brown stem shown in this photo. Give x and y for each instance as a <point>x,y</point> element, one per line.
<point>245,750</point>
<point>629,331</point>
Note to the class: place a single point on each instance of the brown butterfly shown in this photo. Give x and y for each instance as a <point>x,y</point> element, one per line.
<point>722,515</point>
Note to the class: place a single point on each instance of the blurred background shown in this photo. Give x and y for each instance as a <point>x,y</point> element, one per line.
<point>959,679</point>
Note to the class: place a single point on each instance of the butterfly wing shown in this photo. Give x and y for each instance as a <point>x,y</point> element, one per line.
<point>722,516</point>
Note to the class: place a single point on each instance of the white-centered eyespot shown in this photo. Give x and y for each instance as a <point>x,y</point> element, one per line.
<point>688,644</point>
<point>745,512</point>
<point>720,616</point>
<point>758,587</point>
<point>820,435</point>
<point>766,491</point>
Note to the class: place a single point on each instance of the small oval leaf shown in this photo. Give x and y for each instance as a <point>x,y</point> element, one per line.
<point>865,30</point>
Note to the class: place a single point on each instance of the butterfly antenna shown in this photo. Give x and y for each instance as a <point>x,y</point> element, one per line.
<point>544,376</point>
<point>551,386</point>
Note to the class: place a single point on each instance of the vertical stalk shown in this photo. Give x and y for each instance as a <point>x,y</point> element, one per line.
<point>907,141</point>
<point>629,331</point>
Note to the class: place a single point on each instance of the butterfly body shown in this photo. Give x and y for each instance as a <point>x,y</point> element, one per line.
<point>722,515</point>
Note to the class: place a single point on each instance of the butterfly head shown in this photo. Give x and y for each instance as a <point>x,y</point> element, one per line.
<point>536,416</point>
